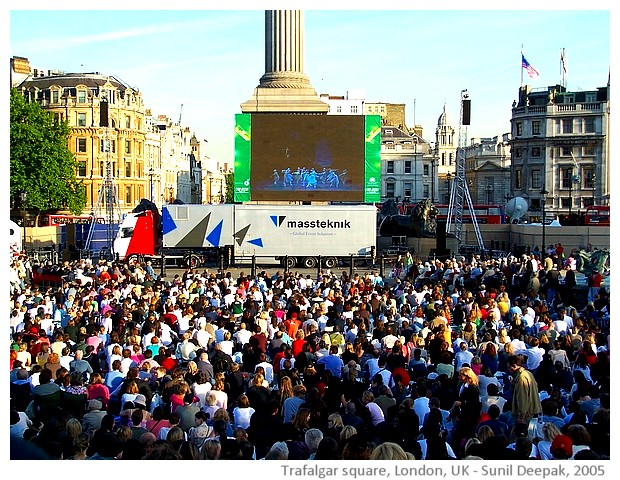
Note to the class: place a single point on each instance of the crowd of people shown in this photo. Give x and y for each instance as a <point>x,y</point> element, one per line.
<point>459,358</point>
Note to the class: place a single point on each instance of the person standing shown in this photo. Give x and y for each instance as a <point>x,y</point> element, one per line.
<point>594,283</point>
<point>525,397</point>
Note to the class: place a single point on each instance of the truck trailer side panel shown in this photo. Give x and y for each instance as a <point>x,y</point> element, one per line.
<point>197,226</point>
<point>304,230</point>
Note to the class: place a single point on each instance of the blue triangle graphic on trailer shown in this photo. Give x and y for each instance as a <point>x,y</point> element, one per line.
<point>274,219</point>
<point>257,241</point>
<point>167,222</point>
<point>216,235</point>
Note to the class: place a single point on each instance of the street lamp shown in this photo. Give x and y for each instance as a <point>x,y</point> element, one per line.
<point>151,173</point>
<point>543,201</point>
<point>22,196</point>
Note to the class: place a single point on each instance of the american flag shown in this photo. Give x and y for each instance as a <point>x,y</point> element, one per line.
<point>531,71</point>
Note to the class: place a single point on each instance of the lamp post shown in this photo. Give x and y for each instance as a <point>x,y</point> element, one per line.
<point>543,201</point>
<point>151,173</point>
<point>449,187</point>
<point>22,196</point>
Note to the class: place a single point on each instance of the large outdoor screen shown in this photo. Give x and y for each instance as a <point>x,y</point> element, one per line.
<point>288,157</point>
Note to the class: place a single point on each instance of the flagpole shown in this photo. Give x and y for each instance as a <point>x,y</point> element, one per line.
<point>521,63</point>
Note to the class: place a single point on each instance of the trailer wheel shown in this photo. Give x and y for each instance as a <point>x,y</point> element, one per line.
<point>331,262</point>
<point>309,262</point>
<point>192,261</point>
<point>289,262</point>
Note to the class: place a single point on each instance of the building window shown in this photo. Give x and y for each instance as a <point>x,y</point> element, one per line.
<point>535,151</point>
<point>518,180</point>
<point>518,153</point>
<point>389,166</point>
<point>587,201</point>
<point>566,151</point>
<point>567,176</point>
<point>519,128</point>
<point>536,178</point>
<point>535,127</point>
<point>81,96</point>
<point>426,170</point>
<point>127,146</point>
<point>81,168</point>
<point>338,108</point>
<point>588,177</point>
<point>443,158</point>
<point>407,166</point>
<point>354,109</point>
<point>54,96</point>
<point>127,121</point>
<point>80,146</point>
<point>390,189</point>
<point>81,119</point>
<point>567,125</point>
<point>590,125</point>
<point>128,194</point>
<point>589,150</point>
<point>407,189</point>
<point>566,202</point>
<point>128,169</point>
<point>452,159</point>
<point>426,190</point>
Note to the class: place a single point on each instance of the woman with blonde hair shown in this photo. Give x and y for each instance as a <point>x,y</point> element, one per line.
<point>347,432</point>
<point>466,409</point>
<point>211,449</point>
<point>389,451</point>
<point>484,432</point>
<point>218,390</point>
<point>550,431</point>
<point>286,389</point>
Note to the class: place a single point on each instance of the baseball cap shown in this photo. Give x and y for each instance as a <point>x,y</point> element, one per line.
<point>562,443</point>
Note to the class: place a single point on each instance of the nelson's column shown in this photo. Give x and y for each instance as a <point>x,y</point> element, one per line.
<point>284,87</point>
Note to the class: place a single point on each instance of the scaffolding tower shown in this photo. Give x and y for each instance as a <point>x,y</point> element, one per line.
<point>107,198</point>
<point>459,193</point>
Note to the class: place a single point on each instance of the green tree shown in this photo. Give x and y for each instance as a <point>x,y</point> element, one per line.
<point>230,188</point>
<point>41,163</point>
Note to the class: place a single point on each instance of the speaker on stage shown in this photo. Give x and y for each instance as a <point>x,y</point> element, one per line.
<point>466,111</point>
<point>441,239</point>
<point>103,114</point>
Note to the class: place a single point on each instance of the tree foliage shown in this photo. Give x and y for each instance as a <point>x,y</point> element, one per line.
<point>230,188</point>
<point>41,163</point>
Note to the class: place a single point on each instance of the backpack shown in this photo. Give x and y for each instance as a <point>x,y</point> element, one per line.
<point>220,364</point>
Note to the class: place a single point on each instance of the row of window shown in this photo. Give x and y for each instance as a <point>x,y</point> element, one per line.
<point>352,109</point>
<point>81,170</point>
<point>561,125</point>
<point>106,146</point>
<point>568,178</point>
<point>390,190</point>
<point>80,120</point>
<point>564,151</point>
<point>389,166</point>
<point>53,95</point>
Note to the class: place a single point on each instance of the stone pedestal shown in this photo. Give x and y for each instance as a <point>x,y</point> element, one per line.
<point>284,88</point>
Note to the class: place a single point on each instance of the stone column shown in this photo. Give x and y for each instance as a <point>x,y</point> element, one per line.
<point>284,87</point>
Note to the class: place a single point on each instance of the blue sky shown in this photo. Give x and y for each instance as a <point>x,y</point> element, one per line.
<point>211,60</point>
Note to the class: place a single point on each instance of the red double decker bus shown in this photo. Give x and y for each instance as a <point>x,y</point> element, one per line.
<point>597,216</point>
<point>491,214</point>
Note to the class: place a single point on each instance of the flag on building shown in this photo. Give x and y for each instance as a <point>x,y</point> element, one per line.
<point>563,60</point>
<point>531,71</point>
